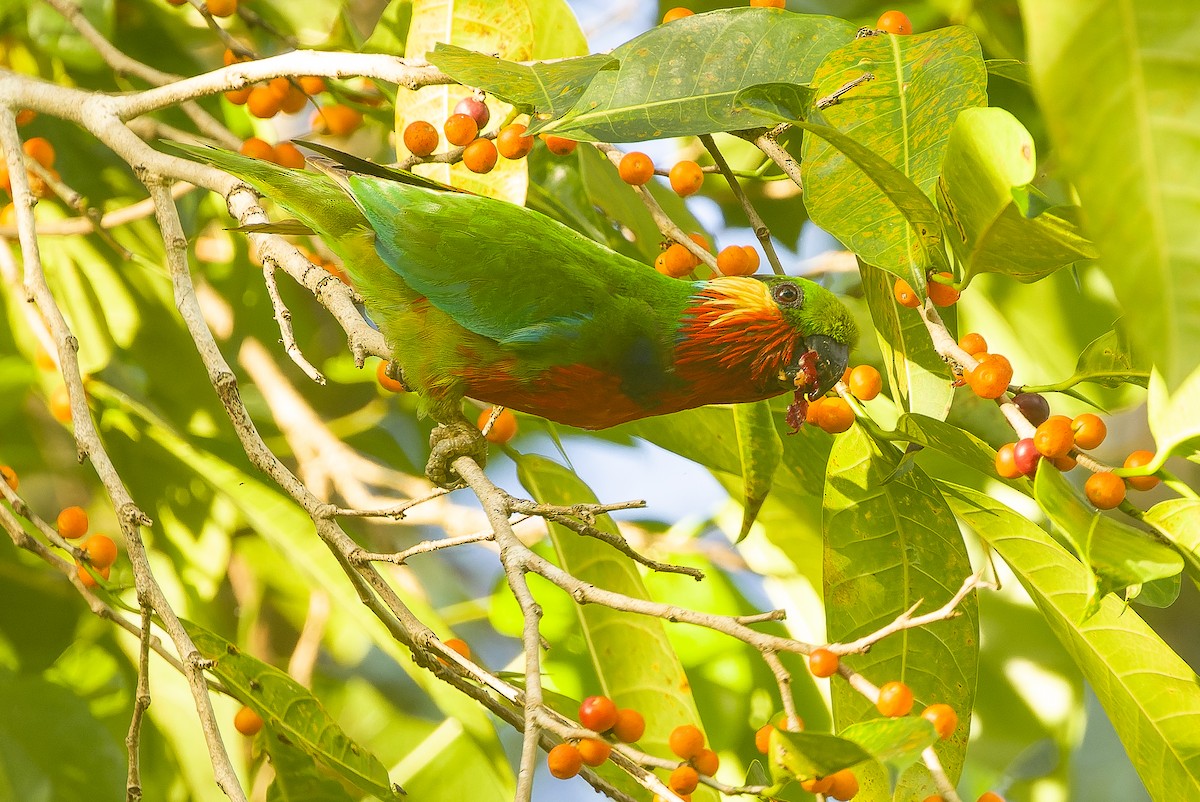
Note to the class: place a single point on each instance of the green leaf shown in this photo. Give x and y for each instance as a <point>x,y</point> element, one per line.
<point>1151,696</point>
<point>1011,68</point>
<point>309,22</point>
<point>682,79</point>
<point>902,119</point>
<point>897,742</point>
<point>1178,519</point>
<point>634,661</point>
<point>548,89</point>
<point>950,440</point>
<point>917,374</point>
<point>1115,83</point>
<point>1173,418</point>
<point>811,754</point>
<point>889,546</point>
<point>298,777</point>
<point>990,156</point>
<point>291,712</point>
<point>1108,360</point>
<point>1119,555</point>
<point>762,451</point>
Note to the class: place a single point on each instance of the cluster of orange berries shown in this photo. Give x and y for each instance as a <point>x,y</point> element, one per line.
<point>677,261</point>
<point>841,784</point>
<point>636,169</point>
<point>291,95</point>
<point>600,714</point>
<point>285,154</point>
<point>942,294</point>
<point>896,22</point>
<point>680,13</point>
<point>832,413</point>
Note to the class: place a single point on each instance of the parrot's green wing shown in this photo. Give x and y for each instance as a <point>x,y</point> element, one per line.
<point>509,273</point>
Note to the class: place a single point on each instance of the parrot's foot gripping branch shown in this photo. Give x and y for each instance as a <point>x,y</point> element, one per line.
<point>447,443</point>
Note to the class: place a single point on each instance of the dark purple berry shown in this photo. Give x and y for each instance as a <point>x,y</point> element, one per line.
<point>476,109</point>
<point>1034,407</point>
<point>1026,456</point>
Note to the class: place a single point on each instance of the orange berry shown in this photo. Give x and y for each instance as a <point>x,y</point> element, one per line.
<point>686,741</point>
<point>684,779</point>
<point>257,148</point>
<point>222,8</point>
<point>1064,464</point>
<point>598,713</point>
<point>1090,430</point>
<point>636,168</point>
<point>942,294</point>
<point>934,798</point>
<point>894,22</point>
<point>823,663</point>
<point>762,738</point>
<point>990,796</point>
<point>702,241</point>
<point>279,87</point>
<point>263,103</point>
<point>247,721</point>
<point>512,142</point>
<point>385,374</point>
<point>480,156</point>
<point>905,294</point>
<point>895,699</point>
<point>238,97</point>
<point>564,761</point>
<point>460,129</point>
<point>865,382</point>
<point>10,477</point>
<point>1136,460</point>
<point>818,785</point>
<point>661,798</point>
<point>421,138</point>
<point>1105,490</point>
<point>734,261</point>
<point>844,785</point>
<point>558,145</point>
<point>85,576</point>
<point>1006,462</point>
<point>813,414</point>
<point>768,3</point>
<point>973,343</point>
<point>293,100</point>
<point>686,178</point>
<point>707,762</point>
<point>1054,438</point>
<point>336,120</point>
<point>835,415</point>
<point>40,150</point>
<point>630,726</point>
<point>312,84</point>
<point>677,13</point>
<point>943,718</point>
<point>752,252</point>
<point>72,522</point>
<point>458,645</point>
<point>677,261</point>
<point>25,116</point>
<point>503,430</point>
<point>229,57</point>
<point>991,377</point>
<point>288,155</point>
<point>60,404</point>
<point>593,751</point>
<point>101,550</point>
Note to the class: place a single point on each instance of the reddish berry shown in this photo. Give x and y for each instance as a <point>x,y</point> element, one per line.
<point>636,168</point>
<point>1105,490</point>
<point>564,761</point>
<point>1136,460</point>
<point>686,178</point>
<point>895,699</point>
<point>973,343</point>
<point>942,294</point>
<point>865,382</point>
<point>1006,462</point>
<point>1054,438</point>
<point>822,663</point>
<point>72,523</point>
<point>593,751</point>
<point>943,718</point>
<point>598,713</point>
<point>476,109</point>
<point>676,13</point>
<point>894,22</point>
<point>503,430</point>
<point>1090,431</point>
<point>247,722</point>
<point>835,415</point>
<point>101,550</point>
<point>421,138</point>
<point>686,741</point>
<point>512,142</point>
<point>630,726</point>
<point>1026,456</point>
<point>480,156</point>
<point>905,294</point>
<point>1033,406</point>
<point>558,145</point>
<point>684,779</point>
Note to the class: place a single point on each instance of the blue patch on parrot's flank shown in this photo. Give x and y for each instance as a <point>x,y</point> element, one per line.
<point>558,329</point>
<point>642,375</point>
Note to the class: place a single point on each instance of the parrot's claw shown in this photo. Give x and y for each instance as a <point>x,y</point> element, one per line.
<point>447,443</point>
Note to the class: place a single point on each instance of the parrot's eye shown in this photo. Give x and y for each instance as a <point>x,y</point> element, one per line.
<point>787,294</point>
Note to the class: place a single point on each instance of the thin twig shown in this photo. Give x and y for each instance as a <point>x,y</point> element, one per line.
<point>283,319</point>
<point>756,222</point>
<point>141,701</point>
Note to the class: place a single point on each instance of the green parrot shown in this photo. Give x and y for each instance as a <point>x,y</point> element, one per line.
<point>481,298</point>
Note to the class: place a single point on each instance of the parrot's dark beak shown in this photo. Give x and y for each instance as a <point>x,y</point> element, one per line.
<point>822,360</point>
